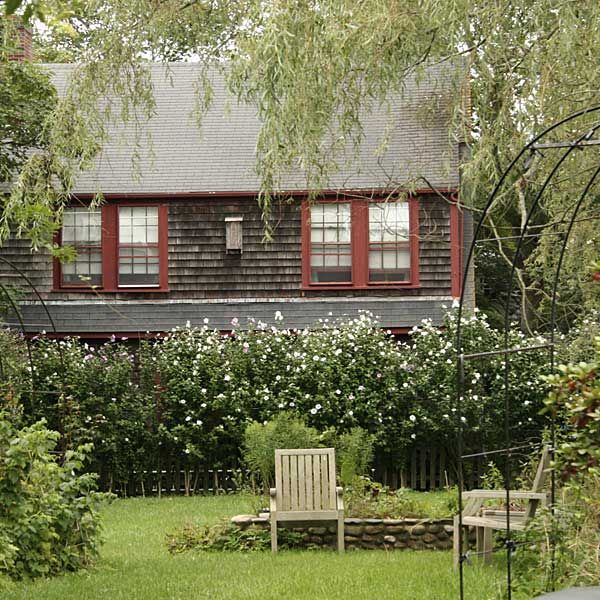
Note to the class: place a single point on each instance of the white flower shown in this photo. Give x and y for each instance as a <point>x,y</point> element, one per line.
<point>338,392</point>
<point>412,418</point>
<point>405,385</point>
<point>182,401</point>
<point>313,411</point>
<point>361,388</point>
<point>205,321</point>
<point>198,422</point>
<point>292,404</point>
<point>318,406</point>
<point>446,416</point>
<point>187,450</point>
<point>227,378</point>
<point>413,436</point>
<point>281,405</point>
<point>278,315</point>
<point>351,413</point>
<point>188,418</point>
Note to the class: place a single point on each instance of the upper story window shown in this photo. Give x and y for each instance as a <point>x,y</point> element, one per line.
<point>82,229</point>
<point>119,247</point>
<point>389,242</point>
<point>138,246</point>
<point>330,243</point>
<point>360,243</point>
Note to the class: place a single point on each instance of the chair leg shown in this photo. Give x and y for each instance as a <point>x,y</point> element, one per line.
<point>487,544</point>
<point>479,533</point>
<point>340,534</point>
<point>273,534</point>
<point>455,544</point>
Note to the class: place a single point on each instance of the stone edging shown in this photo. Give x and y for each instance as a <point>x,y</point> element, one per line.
<point>391,534</point>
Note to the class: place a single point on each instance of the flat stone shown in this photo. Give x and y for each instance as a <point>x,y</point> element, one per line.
<point>260,521</point>
<point>368,545</point>
<point>400,545</point>
<point>442,535</point>
<point>373,521</point>
<point>428,538</point>
<point>418,530</point>
<point>314,539</point>
<point>449,529</point>
<point>353,530</point>
<point>393,529</point>
<point>350,539</point>
<point>392,522</point>
<point>434,528</point>
<point>444,544</point>
<point>373,529</point>
<point>417,545</point>
<point>389,539</point>
<point>371,538</point>
<point>354,521</point>
<point>242,520</point>
<point>317,530</point>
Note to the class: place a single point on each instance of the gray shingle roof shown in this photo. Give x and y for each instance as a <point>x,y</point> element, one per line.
<point>132,317</point>
<point>221,157</point>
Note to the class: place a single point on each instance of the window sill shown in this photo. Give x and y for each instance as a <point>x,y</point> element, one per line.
<point>101,290</point>
<point>371,286</point>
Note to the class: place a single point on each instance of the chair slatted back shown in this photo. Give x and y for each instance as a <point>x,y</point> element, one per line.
<point>538,482</point>
<point>305,479</point>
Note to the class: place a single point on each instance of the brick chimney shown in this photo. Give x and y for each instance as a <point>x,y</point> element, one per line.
<point>24,46</point>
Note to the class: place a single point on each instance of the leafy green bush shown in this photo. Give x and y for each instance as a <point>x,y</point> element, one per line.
<point>228,537</point>
<point>261,441</point>
<point>354,451</point>
<point>48,515</point>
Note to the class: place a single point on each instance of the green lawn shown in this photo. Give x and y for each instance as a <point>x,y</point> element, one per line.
<point>136,565</point>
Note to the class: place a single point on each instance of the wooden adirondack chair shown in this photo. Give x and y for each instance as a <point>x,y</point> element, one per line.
<point>305,490</point>
<point>485,521</point>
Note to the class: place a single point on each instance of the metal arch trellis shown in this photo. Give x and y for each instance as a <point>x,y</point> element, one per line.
<point>585,140</point>
<point>22,325</point>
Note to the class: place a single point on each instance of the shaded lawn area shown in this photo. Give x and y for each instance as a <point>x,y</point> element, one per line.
<point>135,564</point>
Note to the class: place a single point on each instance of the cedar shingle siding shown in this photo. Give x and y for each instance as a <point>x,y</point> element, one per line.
<point>207,282</point>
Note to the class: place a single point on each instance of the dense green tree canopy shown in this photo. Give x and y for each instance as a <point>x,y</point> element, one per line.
<point>310,66</point>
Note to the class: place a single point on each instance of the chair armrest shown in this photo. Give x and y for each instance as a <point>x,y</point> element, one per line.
<point>501,494</point>
<point>273,500</point>
<point>339,492</point>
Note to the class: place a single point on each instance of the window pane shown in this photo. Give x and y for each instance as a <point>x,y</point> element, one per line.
<point>330,234</point>
<point>138,245</point>
<point>389,248</point>
<point>82,229</point>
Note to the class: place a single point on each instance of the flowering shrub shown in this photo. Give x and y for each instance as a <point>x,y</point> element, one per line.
<point>186,398</point>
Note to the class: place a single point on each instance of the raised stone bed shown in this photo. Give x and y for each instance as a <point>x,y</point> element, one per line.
<point>390,534</point>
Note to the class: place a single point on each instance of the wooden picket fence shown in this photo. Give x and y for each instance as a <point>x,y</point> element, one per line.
<point>427,469</point>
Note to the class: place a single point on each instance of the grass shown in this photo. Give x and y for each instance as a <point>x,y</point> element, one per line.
<point>136,565</point>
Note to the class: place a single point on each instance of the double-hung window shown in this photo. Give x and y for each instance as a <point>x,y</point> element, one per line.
<point>360,243</point>
<point>119,247</point>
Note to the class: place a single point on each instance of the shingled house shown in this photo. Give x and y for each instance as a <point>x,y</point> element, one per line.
<point>184,241</point>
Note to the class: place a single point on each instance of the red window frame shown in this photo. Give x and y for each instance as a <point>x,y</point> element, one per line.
<point>110,254</point>
<point>359,240</point>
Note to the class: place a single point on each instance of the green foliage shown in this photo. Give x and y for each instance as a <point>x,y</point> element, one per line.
<point>570,536</point>
<point>493,478</point>
<point>354,453</point>
<point>27,97</point>
<point>188,397</point>
<point>575,397</point>
<point>48,515</point>
<point>261,441</point>
<point>225,536</point>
